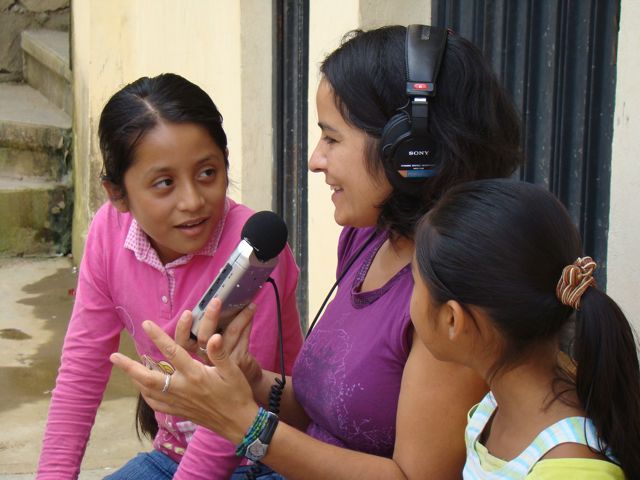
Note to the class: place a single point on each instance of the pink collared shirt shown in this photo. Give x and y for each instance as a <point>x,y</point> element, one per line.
<point>121,283</point>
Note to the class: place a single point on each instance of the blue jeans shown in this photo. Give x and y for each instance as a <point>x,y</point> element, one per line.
<point>155,465</point>
<point>262,472</point>
<point>152,465</point>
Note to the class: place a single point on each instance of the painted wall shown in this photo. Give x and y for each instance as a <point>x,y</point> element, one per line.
<point>214,43</point>
<point>256,101</point>
<point>623,271</point>
<point>325,31</point>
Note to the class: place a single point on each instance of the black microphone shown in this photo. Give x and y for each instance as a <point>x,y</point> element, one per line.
<point>263,237</point>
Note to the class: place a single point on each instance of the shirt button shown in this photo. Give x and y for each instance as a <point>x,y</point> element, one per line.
<point>164,299</point>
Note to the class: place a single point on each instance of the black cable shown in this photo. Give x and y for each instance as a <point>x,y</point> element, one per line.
<point>342,274</point>
<point>277,388</point>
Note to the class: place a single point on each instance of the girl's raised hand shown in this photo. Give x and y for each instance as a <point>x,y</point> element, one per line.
<point>216,397</point>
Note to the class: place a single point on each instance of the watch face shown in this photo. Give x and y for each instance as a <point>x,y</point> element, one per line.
<point>256,450</point>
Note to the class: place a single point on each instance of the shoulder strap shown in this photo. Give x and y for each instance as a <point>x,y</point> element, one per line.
<point>568,430</point>
<point>479,416</point>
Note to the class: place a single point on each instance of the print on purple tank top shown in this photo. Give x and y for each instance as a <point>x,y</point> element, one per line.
<point>348,373</point>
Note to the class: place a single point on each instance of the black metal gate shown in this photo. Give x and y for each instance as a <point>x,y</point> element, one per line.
<point>558,59</point>
<point>291,67</point>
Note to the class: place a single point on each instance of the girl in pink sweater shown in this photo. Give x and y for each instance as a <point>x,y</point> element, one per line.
<point>151,253</point>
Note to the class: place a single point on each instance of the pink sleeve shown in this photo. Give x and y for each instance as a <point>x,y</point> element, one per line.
<point>92,335</point>
<point>208,456</point>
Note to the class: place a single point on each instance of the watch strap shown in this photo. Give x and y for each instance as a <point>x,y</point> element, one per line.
<point>257,448</point>
<point>269,429</point>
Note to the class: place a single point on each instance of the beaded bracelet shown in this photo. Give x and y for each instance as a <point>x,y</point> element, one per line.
<point>254,431</point>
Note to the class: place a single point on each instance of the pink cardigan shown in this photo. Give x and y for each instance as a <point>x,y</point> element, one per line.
<point>121,283</point>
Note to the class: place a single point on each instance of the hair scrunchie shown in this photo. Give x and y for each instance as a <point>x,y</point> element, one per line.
<point>575,279</point>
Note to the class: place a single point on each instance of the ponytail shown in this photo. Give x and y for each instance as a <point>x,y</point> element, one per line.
<point>146,423</point>
<point>608,376</point>
<point>511,249</point>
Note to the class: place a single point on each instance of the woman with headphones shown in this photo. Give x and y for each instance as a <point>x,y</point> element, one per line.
<point>405,114</point>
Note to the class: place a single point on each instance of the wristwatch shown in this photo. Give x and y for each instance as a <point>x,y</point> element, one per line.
<point>258,448</point>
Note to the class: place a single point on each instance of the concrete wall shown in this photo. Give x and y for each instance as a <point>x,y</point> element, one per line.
<point>325,32</point>
<point>216,44</point>
<point>623,270</point>
<point>258,168</point>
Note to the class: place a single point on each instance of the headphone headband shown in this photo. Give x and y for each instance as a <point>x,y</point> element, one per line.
<point>425,46</point>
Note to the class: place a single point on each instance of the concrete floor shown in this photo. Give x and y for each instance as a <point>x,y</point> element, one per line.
<point>36,297</point>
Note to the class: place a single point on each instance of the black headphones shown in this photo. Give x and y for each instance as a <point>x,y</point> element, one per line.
<point>405,142</point>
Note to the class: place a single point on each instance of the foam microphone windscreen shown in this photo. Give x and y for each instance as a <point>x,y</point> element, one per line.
<point>267,233</point>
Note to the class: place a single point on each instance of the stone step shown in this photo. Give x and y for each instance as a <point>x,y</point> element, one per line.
<point>46,65</point>
<point>35,187</point>
<point>35,215</point>
<point>35,135</point>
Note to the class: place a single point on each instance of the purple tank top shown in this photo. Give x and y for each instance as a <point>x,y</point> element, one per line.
<point>348,373</point>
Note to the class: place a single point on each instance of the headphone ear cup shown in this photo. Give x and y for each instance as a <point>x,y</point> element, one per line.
<point>397,129</point>
<point>406,156</point>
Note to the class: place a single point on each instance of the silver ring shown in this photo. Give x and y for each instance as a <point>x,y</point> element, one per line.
<point>167,382</point>
<point>203,350</point>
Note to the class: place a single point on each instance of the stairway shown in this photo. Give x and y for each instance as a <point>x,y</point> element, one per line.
<point>36,195</point>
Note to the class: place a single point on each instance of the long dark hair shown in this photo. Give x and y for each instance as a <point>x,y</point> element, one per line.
<point>501,245</point>
<point>132,112</point>
<point>140,106</point>
<point>472,120</point>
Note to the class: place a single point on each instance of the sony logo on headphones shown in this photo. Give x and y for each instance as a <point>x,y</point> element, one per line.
<point>419,153</point>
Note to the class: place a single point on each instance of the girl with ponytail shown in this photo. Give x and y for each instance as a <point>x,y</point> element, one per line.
<point>500,279</point>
